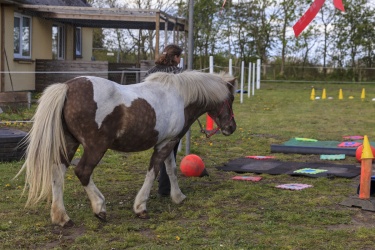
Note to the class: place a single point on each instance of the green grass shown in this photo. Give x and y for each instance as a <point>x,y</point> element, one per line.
<point>219,213</point>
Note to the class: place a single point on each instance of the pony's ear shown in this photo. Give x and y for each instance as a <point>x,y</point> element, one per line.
<point>232,86</point>
<point>231,81</point>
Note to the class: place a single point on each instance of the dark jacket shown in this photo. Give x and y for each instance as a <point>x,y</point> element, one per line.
<point>164,68</point>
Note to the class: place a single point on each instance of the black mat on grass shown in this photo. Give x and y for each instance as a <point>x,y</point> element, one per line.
<point>275,167</point>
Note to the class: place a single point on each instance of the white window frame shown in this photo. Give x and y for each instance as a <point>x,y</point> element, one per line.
<point>22,43</point>
<point>78,41</point>
<point>60,41</point>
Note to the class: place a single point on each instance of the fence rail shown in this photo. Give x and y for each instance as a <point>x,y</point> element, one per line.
<point>329,74</point>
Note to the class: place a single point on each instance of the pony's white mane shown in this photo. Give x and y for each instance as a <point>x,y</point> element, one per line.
<point>195,86</point>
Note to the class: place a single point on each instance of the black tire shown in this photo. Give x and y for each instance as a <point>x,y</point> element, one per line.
<point>12,147</point>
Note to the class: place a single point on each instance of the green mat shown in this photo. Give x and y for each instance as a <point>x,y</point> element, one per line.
<point>295,146</point>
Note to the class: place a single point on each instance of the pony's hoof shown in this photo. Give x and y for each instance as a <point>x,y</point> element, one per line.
<point>179,199</point>
<point>101,216</point>
<point>143,215</point>
<point>69,224</point>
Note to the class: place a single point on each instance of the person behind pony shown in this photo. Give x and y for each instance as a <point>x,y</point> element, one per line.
<point>168,62</point>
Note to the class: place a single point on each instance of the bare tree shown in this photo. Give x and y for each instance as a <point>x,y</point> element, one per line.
<point>354,34</point>
<point>327,15</point>
<point>286,14</point>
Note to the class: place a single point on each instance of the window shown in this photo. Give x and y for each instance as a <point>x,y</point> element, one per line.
<point>58,42</point>
<point>78,42</point>
<point>22,36</point>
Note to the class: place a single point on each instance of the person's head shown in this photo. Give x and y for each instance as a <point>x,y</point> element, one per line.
<point>170,56</point>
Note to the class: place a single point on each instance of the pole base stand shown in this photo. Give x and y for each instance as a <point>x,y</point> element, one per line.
<point>355,201</point>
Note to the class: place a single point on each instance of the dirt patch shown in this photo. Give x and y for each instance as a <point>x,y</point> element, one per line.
<point>362,219</point>
<point>148,233</point>
<point>66,236</point>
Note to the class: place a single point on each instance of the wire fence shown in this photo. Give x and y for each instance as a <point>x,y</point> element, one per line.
<point>268,73</point>
<point>298,73</point>
<point>301,74</point>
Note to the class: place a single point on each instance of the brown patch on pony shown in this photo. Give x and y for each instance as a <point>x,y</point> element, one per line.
<point>120,130</point>
<point>136,126</point>
<point>80,110</point>
<point>79,116</point>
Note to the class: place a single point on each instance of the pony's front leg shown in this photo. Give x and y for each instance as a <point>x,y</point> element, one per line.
<point>143,194</point>
<point>58,212</point>
<point>170,165</point>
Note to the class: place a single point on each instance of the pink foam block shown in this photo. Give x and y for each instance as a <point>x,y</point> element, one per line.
<point>247,178</point>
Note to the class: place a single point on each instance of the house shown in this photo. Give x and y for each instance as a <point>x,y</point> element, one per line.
<point>26,38</point>
<point>47,41</point>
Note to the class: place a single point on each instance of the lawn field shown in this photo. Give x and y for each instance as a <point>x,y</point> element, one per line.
<point>219,213</point>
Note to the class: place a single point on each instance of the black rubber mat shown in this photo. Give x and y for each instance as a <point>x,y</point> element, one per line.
<point>275,167</point>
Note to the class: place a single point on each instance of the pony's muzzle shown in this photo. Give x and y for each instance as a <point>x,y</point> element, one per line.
<point>229,129</point>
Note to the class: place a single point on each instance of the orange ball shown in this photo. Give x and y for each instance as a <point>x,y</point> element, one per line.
<point>192,166</point>
<point>358,152</point>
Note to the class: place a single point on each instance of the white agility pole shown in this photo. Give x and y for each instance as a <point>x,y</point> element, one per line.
<point>258,73</point>
<point>249,81</point>
<point>211,64</point>
<point>230,67</point>
<point>181,64</point>
<point>253,85</point>
<point>242,75</point>
<point>209,121</point>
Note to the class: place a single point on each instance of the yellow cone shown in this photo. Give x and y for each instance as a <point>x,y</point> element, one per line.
<point>312,96</point>
<point>341,96</point>
<point>363,94</point>
<point>366,151</point>
<point>324,95</point>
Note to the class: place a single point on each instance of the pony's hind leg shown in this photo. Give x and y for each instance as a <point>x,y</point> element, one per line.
<point>139,206</point>
<point>58,212</point>
<point>84,171</point>
<point>97,200</point>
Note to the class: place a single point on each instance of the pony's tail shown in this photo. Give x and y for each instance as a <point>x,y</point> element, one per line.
<point>46,145</point>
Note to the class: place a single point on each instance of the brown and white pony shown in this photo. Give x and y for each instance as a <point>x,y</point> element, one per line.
<point>101,114</point>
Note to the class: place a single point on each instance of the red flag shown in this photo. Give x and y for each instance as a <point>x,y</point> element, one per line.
<point>338,4</point>
<point>311,13</point>
<point>307,17</point>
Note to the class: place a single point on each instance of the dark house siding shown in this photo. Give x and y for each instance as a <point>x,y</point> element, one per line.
<point>81,3</point>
